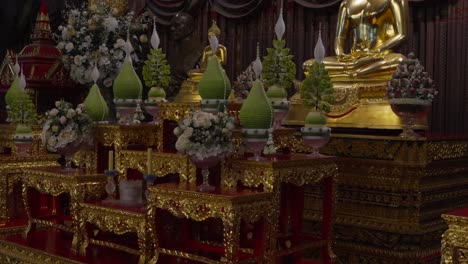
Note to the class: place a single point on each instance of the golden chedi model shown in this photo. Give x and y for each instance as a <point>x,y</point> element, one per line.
<point>360,76</point>
<point>195,75</point>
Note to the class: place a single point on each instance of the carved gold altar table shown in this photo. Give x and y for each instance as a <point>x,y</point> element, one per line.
<point>55,181</point>
<point>118,137</point>
<point>119,220</point>
<point>231,206</point>
<point>286,177</point>
<point>162,164</point>
<point>455,239</point>
<point>11,167</point>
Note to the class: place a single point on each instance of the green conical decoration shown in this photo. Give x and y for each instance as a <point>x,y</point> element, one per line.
<point>23,129</point>
<point>276,91</point>
<point>95,105</point>
<point>13,91</point>
<point>214,84</point>
<point>127,85</point>
<point>23,133</point>
<point>156,92</point>
<point>315,118</point>
<point>256,111</point>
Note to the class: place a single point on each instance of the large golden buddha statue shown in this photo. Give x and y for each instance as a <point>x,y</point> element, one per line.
<point>360,75</point>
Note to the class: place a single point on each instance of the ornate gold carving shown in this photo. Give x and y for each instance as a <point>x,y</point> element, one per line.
<point>190,204</point>
<point>453,149</point>
<point>118,222</point>
<point>455,239</point>
<point>11,253</point>
<point>10,171</point>
<point>299,171</point>
<point>120,136</point>
<point>54,181</point>
<point>174,111</point>
<point>162,164</point>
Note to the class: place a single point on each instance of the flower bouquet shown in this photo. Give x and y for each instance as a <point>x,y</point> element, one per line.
<point>98,34</point>
<point>206,138</point>
<point>66,130</point>
<point>244,83</point>
<point>410,93</point>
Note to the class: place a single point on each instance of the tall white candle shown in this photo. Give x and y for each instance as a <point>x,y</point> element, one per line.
<point>111,160</point>
<point>148,160</point>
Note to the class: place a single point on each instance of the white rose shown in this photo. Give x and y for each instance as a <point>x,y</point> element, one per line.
<point>53,112</point>
<point>188,132</point>
<point>177,131</point>
<point>65,35</point>
<point>69,46</point>
<point>58,103</point>
<point>55,129</point>
<point>79,111</point>
<point>71,113</point>
<point>60,28</point>
<point>61,46</point>
<point>88,38</point>
<point>77,60</point>
<point>120,43</point>
<point>63,120</point>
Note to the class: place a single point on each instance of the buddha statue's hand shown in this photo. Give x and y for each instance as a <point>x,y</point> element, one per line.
<point>346,58</point>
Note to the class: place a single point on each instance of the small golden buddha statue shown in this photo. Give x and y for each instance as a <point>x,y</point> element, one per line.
<point>221,53</point>
<point>195,75</point>
<point>360,75</point>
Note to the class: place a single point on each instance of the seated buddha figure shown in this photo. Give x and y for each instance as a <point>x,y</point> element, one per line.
<point>207,52</point>
<point>371,29</point>
<point>374,27</point>
<point>221,53</point>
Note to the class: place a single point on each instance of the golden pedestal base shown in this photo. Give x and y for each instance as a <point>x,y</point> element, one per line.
<point>359,104</point>
<point>391,194</point>
<point>189,92</point>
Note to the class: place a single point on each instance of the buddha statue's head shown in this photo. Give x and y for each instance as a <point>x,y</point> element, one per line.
<point>214,30</point>
<point>181,26</point>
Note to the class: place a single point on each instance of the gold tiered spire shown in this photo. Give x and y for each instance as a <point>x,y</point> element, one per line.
<point>42,31</point>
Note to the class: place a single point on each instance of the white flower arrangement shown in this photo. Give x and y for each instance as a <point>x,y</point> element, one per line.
<point>66,125</point>
<point>97,36</point>
<point>203,134</point>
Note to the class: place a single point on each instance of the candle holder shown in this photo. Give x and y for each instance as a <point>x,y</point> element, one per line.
<point>149,178</point>
<point>111,185</point>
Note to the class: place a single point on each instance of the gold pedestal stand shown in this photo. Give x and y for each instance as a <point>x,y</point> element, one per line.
<point>360,103</point>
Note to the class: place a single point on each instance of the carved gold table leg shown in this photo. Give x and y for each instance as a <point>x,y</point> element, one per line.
<point>143,243</point>
<point>76,197</point>
<point>3,198</point>
<point>231,223</point>
<point>151,216</point>
<point>31,226</point>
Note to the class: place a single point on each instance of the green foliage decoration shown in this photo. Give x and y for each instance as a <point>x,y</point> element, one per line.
<point>22,110</point>
<point>317,88</point>
<point>156,71</point>
<point>278,67</point>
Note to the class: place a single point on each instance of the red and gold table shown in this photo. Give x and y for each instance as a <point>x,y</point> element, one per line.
<point>286,178</point>
<point>455,239</point>
<point>11,168</point>
<point>79,184</point>
<point>118,219</point>
<point>231,206</point>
